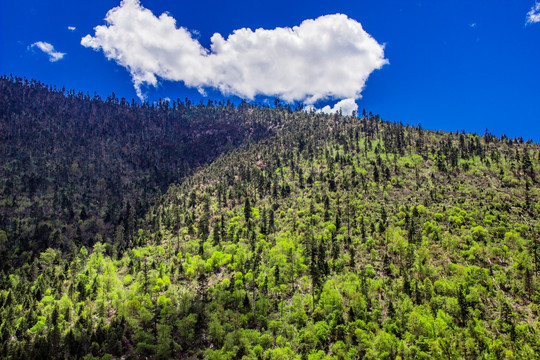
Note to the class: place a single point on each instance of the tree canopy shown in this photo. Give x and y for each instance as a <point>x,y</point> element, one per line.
<point>314,237</point>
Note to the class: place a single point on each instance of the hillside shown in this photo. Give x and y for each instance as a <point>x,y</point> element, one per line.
<point>73,167</point>
<point>331,237</point>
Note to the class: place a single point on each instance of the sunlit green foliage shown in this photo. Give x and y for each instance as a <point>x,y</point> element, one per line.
<point>336,238</point>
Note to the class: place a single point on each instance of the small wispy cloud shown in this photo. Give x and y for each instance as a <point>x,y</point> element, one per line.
<point>346,106</point>
<point>72,28</point>
<point>49,50</point>
<point>473,25</point>
<point>533,16</point>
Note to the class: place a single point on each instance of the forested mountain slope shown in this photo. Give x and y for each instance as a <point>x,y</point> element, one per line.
<point>333,238</point>
<point>74,166</point>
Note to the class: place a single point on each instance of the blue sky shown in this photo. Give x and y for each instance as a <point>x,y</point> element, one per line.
<point>465,65</point>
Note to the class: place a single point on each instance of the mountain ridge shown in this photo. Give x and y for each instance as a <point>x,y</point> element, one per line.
<point>331,237</point>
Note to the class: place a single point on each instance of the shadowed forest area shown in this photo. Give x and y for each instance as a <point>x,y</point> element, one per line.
<point>78,169</point>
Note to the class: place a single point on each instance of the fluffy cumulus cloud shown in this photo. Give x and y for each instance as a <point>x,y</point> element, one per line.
<point>329,57</point>
<point>533,16</point>
<point>49,50</point>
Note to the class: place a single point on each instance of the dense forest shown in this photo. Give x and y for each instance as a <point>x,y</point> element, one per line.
<point>300,236</point>
<point>74,167</point>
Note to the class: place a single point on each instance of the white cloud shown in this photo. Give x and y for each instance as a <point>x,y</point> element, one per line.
<point>72,28</point>
<point>533,16</point>
<point>347,106</point>
<point>329,57</point>
<point>49,50</point>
